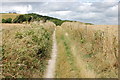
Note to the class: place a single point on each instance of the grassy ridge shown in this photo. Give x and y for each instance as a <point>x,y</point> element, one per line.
<point>36,17</point>
<point>31,17</point>
<point>26,50</point>
<point>21,18</point>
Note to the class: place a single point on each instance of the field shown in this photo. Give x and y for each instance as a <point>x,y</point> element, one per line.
<point>9,15</point>
<point>83,51</point>
<point>87,51</point>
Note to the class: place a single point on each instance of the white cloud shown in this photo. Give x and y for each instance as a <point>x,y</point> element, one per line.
<point>61,13</point>
<point>41,13</point>
<point>110,0</point>
<point>84,7</point>
<point>22,9</point>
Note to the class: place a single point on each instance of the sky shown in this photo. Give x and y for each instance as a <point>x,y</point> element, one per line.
<point>102,12</point>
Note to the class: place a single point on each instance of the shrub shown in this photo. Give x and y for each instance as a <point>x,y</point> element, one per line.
<point>9,20</point>
<point>19,19</point>
<point>3,21</point>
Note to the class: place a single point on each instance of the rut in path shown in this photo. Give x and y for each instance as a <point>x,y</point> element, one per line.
<point>50,72</point>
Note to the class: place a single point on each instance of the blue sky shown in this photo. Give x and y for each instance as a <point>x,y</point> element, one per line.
<point>96,12</point>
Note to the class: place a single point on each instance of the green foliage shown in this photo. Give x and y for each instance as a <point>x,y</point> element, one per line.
<point>36,17</point>
<point>9,20</point>
<point>3,21</point>
<point>19,19</point>
<point>88,23</point>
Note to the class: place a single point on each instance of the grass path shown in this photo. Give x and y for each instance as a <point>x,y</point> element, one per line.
<point>69,63</point>
<point>50,72</point>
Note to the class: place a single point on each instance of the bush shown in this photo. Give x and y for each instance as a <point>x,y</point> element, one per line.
<point>9,20</point>
<point>19,19</point>
<point>3,21</point>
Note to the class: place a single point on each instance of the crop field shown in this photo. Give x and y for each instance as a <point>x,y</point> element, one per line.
<point>87,51</point>
<point>26,49</point>
<point>10,15</point>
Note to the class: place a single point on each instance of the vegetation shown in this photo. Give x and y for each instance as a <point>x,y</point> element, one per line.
<point>31,17</point>
<point>3,21</point>
<point>84,50</point>
<point>9,15</point>
<point>87,51</point>
<point>8,20</point>
<point>26,50</point>
<point>35,17</point>
<point>88,23</point>
<point>65,66</point>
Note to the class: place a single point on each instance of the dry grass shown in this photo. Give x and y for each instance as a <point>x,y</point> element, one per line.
<point>26,49</point>
<point>65,62</point>
<point>93,47</point>
<point>0,50</point>
<point>9,15</point>
<point>84,51</point>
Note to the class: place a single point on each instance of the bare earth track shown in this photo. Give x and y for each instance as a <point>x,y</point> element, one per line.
<point>50,72</point>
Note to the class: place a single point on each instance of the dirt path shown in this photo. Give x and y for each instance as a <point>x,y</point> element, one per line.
<point>50,72</point>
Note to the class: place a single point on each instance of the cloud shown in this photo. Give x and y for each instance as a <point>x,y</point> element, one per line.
<point>61,13</point>
<point>59,1</point>
<point>94,12</point>
<point>110,0</point>
<point>22,9</point>
<point>112,11</point>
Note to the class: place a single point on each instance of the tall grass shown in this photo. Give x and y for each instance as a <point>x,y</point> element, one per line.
<point>26,50</point>
<point>95,49</point>
<point>65,67</point>
<point>0,50</point>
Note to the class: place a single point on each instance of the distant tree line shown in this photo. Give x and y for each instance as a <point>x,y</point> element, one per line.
<point>34,17</point>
